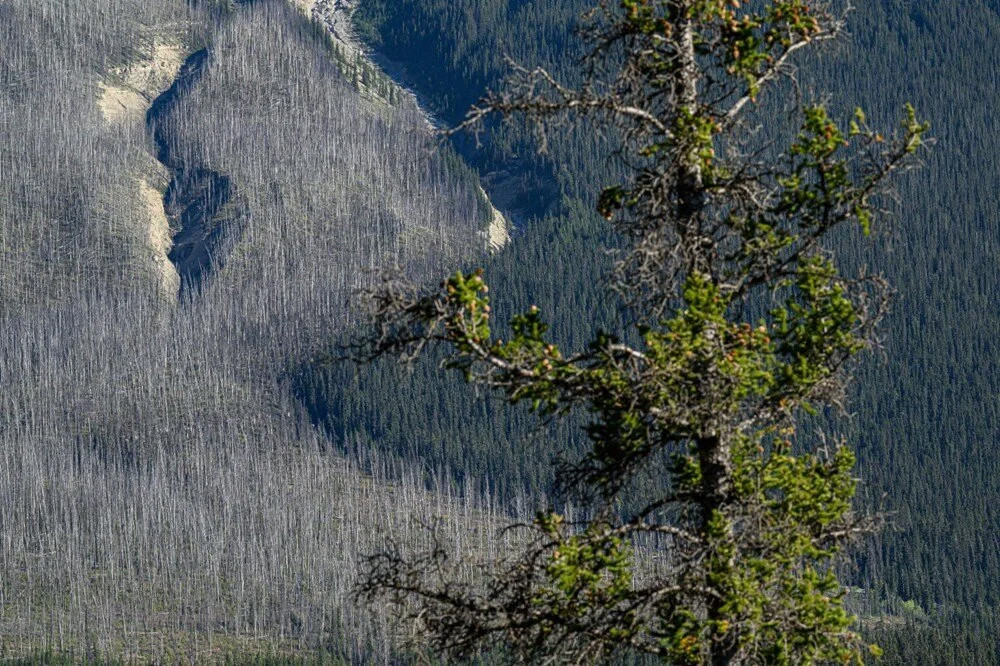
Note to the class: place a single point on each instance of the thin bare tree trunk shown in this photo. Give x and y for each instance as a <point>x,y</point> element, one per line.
<point>692,198</point>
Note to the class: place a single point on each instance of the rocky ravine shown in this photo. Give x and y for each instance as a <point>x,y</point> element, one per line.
<point>124,99</point>
<point>143,91</point>
<point>197,193</point>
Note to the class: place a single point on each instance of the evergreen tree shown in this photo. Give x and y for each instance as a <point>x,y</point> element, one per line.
<point>708,534</point>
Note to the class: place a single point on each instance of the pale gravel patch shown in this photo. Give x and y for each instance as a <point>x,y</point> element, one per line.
<point>498,234</point>
<point>306,6</point>
<point>119,105</point>
<point>160,241</point>
<point>138,84</point>
<point>155,75</point>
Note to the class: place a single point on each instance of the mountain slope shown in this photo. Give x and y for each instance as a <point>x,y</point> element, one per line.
<point>163,495</point>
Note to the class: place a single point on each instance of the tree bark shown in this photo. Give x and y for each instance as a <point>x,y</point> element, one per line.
<point>715,460</point>
<point>692,198</point>
<point>714,455</point>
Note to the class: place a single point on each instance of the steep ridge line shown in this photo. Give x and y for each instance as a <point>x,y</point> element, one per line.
<point>336,17</point>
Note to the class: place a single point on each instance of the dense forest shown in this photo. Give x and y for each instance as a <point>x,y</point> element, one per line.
<point>924,415</point>
<point>184,472</point>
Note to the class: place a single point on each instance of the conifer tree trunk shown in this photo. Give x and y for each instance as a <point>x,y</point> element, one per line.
<point>713,453</point>
<point>692,197</point>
